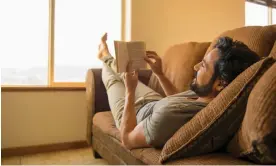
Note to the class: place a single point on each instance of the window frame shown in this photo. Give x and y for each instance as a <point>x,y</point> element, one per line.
<point>269,12</point>
<point>51,84</point>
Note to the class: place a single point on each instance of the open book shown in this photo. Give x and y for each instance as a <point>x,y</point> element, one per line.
<point>132,52</point>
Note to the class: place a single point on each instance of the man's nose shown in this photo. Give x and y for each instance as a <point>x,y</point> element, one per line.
<point>196,67</point>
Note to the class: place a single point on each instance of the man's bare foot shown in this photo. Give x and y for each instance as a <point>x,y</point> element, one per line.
<point>103,48</point>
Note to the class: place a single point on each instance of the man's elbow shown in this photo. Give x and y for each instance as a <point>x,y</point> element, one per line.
<point>126,143</point>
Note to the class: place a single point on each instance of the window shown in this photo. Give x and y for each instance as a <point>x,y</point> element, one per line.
<point>54,44</point>
<point>260,12</point>
<point>273,16</point>
<point>24,42</point>
<point>79,25</point>
<point>255,14</point>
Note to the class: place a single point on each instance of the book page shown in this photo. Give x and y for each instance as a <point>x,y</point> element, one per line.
<point>136,53</point>
<point>122,57</point>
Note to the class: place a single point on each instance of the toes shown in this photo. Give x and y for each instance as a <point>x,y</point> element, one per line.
<point>104,37</point>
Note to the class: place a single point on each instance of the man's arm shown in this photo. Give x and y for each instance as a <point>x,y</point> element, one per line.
<point>132,135</point>
<point>167,86</point>
<point>156,67</point>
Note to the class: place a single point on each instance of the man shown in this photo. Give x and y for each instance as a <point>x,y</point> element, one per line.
<point>144,118</point>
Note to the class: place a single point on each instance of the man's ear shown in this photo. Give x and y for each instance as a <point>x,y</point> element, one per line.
<point>222,85</point>
<point>219,85</point>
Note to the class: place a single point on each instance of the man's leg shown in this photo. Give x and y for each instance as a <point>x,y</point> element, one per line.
<point>115,87</point>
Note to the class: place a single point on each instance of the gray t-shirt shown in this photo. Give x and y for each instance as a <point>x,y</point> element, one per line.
<point>161,119</point>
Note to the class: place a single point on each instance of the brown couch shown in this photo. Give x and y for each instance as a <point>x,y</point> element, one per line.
<point>102,133</point>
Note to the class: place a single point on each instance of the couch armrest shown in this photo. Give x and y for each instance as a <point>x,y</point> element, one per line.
<point>96,96</point>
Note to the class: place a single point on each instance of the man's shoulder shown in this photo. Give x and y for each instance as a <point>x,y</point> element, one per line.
<point>181,101</point>
<point>189,94</point>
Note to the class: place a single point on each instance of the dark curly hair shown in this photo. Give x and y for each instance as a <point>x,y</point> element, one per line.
<point>234,58</point>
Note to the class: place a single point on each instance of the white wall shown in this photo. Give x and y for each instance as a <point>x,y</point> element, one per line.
<point>162,23</point>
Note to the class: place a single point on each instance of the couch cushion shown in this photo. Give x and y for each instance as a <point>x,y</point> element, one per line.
<point>110,148</point>
<point>178,63</point>
<point>151,156</point>
<point>210,159</point>
<point>256,139</point>
<point>147,155</point>
<point>259,39</point>
<point>214,125</point>
<point>105,121</point>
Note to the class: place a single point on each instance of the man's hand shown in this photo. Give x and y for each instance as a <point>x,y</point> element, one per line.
<point>155,66</point>
<point>131,81</point>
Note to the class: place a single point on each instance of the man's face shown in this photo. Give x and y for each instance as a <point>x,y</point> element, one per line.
<point>203,83</point>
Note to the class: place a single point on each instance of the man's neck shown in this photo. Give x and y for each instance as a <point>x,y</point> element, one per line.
<point>205,99</point>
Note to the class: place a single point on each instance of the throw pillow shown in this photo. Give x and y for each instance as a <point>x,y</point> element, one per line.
<point>256,139</point>
<point>216,124</point>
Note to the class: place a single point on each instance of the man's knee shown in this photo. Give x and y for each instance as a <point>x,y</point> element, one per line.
<point>110,80</point>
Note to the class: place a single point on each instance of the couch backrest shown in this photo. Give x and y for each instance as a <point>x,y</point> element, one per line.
<point>178,63</point>
<point>273,51</point>
<point>179,60</point>
<point>258,38</point>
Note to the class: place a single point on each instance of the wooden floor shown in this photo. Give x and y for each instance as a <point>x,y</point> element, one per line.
<point>82,156</point>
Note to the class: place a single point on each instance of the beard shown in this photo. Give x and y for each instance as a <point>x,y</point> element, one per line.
<point>202,90</point>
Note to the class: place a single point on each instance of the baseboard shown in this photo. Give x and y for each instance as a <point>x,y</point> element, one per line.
<point>19,151</point>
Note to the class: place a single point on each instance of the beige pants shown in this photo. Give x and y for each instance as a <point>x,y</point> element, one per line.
<point>115,88</point>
